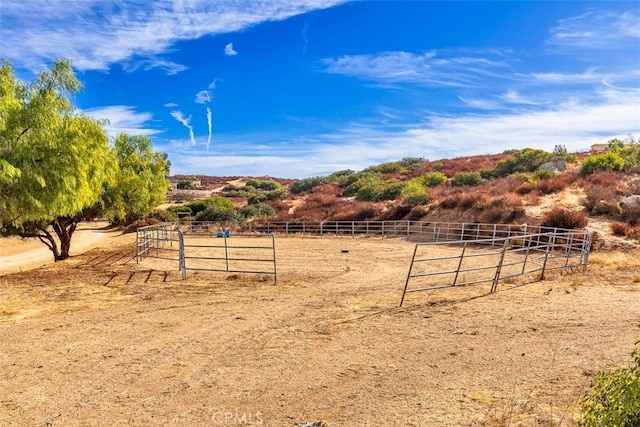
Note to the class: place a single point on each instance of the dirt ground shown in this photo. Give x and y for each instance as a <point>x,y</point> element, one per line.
<point>99,340</point>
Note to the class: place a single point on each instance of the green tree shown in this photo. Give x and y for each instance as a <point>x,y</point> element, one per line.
<point>53,160</point>
<point>141,180</point>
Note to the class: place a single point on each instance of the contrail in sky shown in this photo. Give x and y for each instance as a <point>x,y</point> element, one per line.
<point>185,121</point>
<point>210,126</point>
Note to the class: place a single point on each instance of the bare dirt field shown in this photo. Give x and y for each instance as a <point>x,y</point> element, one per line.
<point>99,340</point>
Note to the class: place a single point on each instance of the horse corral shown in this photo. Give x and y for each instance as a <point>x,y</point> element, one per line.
<point>506,251</point>
<point>101,340</point>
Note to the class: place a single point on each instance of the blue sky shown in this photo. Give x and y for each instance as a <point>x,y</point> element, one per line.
<point>305,88</point>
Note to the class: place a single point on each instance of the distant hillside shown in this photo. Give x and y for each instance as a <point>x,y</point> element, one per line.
<point>499,188</point>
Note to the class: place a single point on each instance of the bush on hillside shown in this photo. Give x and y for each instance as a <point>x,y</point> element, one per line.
<point>414,193</point>
<point>466,179</point>
<point>602,162</point>
<point>433,179</point>
<point>525,160</point>
<point>564,218</point>
<point>620,229</point>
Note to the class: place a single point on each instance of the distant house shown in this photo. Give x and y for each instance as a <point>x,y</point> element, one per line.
<point>599,148</point>
<point>173,184</point>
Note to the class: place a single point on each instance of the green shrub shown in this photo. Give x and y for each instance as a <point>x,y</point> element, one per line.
<point>185,185</point>
<point>414,193</point>
<point>257,210</point>
<point>544,174</point>
<point>602,162</point>
<point>466,178</point>
<point>308,184</point>
<point>615,398</point>
<point>392,189</point>
<point>525,160</point>
<point>263,185</point>
<point>433,179</point>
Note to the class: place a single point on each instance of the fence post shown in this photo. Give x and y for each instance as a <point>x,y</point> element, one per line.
<point>546,257</point>
<point>494,286</point>
<point>406,283</point>
<point>275,272</point>
<point>181,256</point>
<point>464,248</point>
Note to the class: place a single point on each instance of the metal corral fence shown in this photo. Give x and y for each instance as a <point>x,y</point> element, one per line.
<point>446,264</point>
<point>417,230</point>
<point>206,246</point>
<point>446,254</point>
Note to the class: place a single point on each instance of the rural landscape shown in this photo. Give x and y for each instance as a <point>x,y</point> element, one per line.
<point>101,338</point>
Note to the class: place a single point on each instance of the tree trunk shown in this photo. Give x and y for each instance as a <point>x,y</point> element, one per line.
<point>64,228</point>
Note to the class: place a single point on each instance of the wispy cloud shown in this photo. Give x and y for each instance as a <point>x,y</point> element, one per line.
<point>597,30</point>
<point>170,105</point>
<point>169,67</point>
<point>94,34</point>
<point>123,118</point>
<point>186,122</point>
<point>229,51</point>
<point>203,97</point>
<point>433,69</point>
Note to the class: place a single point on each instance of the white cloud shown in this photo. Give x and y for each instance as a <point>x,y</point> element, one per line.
<point>94,34</point>
<point>203,97</point>
<point>122,118</point>
<point>170,105</point>
<point>170,68</point>
<point>186,123</point>
<point>597,30</point>
<point>228,50</point>
<point>435,68</point>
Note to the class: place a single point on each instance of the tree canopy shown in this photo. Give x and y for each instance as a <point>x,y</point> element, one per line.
<point>53,161</point>
<point>56,164</point>
<point>140,183</point>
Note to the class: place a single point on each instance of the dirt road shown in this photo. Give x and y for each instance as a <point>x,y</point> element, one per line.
<point>18,254</point>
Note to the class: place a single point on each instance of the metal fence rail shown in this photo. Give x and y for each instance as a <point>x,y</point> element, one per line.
<point>517,255</point>
<point>184,243</point>
<point>468,253</point>
<point>229,254</point>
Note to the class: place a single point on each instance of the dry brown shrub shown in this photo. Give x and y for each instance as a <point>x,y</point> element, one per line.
<point>451,201</point>
<point>620,229</point>
<point>532,199</point>
<point>450,167</point>
<point>472,200</point>
<point>505,185</point>
<point>525,188</point>
<point>631,215</point>
<point>564,218</point>
<point>417,213</point>
<point>514,214</point>
<point>606,179</point>
<point>557,183</point>
<point>601,199</point>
